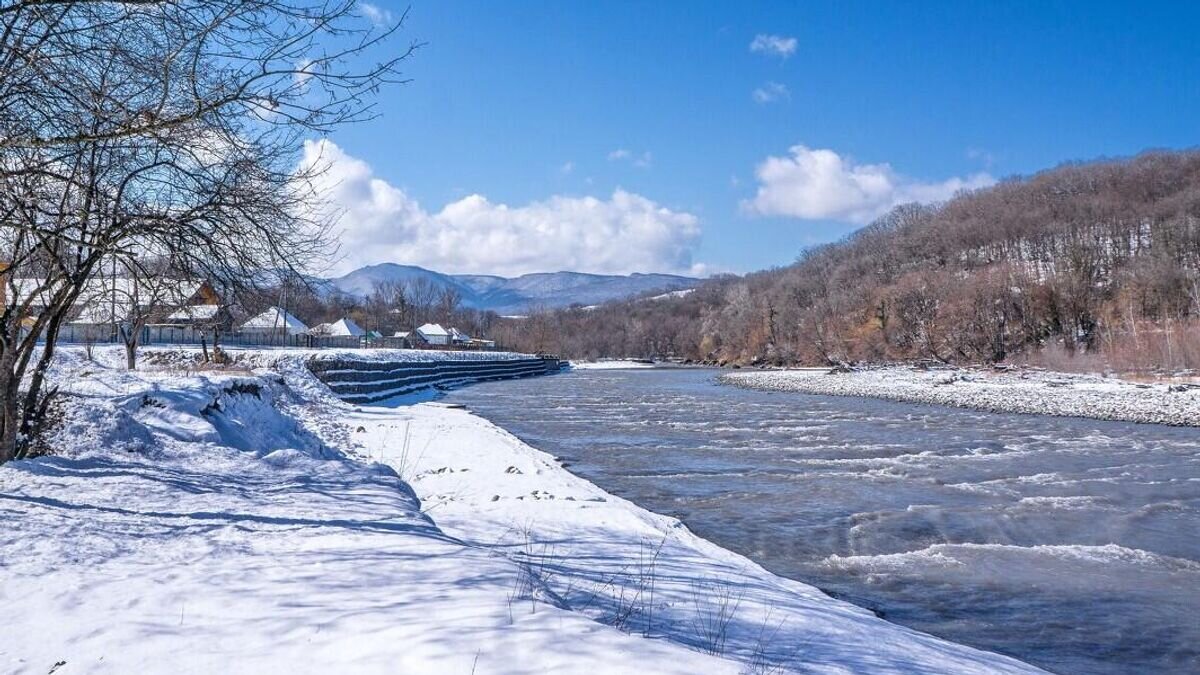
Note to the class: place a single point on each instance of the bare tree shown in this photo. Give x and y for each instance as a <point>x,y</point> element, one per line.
<point>389,301</point>
<point>153,289</point>
<point>448,301</point>
<point>159,126</point>
<point>422,296</point>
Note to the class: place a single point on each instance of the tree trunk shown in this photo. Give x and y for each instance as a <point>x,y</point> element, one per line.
<point>8,418</point>
<point>34,409</point>
<point>131,336</point>
<point>216,336</point>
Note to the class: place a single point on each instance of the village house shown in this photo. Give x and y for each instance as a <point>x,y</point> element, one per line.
<point>107,300</point>
<point>433,334</point>
<point>160,304</point>
<point>459,338</point>
<point>341,328</point>
<point>274,321</point>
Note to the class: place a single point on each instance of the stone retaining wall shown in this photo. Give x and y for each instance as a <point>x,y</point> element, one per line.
<point>356,381</point>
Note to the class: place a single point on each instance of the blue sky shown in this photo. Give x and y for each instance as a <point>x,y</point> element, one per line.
<point>519,111</point>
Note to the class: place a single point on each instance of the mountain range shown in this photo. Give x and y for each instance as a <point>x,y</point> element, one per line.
<point>545,290</point>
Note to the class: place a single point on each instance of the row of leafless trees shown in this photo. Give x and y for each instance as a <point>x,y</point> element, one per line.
<point>390,306</point>
<point>1084,259</point>
<point>156,136</point>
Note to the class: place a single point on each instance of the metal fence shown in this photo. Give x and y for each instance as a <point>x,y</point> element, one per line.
<point>188,336</point>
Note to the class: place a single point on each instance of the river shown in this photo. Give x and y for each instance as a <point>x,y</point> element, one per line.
<point>1072,544</point>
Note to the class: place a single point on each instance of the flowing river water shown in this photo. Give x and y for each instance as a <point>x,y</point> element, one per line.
<point>1072,544</point>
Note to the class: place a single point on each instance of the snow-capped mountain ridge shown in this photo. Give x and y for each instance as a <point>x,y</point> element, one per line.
<point>546,290</point>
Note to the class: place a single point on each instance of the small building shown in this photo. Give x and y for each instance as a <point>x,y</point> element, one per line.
<point>340,328</point>
<point>458,337</point>
<point>167,309</point>
<point>433,334</point>
<point>106,301</point>
<point>274,321</point>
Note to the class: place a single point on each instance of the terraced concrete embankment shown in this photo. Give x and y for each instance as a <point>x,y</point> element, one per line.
<point>363,381</point>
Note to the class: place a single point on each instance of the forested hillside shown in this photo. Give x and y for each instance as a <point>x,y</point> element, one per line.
<point>1097,260</point>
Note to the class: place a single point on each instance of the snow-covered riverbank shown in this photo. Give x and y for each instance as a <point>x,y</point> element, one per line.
<point>250,522</point>
<point>1029,391</point>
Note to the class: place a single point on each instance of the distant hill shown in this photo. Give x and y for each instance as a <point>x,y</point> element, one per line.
<point>1093,266</point>
<point>548,290</point>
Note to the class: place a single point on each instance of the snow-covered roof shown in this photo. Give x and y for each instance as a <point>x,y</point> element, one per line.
<point>432,329</point>
<point>275,319</point>
<point>195,313</point>
<point>340,328</point>
<point>101,313</point>
<point>457,334</point>
<point>401,334</point>
<point>159,291</point>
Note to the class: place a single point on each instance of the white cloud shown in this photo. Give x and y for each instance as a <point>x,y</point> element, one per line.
<point>773,45</point>
<point>822,185</point>
<point>381,223</point>
<point>642,160</point>
<point>374,14</point>
<point>567,168</point>
<point>302,73</point>
<point>771,92</point>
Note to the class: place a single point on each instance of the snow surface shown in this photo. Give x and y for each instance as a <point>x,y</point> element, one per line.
<point>195,313</point>
<point>269,358</point>
<point>341,328</point>
<point>275,318</point>
<point>682,293</point>
<point>1025,391</point>
<point>248,521</point>
<point>432,330</point>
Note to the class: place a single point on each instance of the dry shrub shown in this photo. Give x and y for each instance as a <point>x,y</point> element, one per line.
<point>1168,347</point>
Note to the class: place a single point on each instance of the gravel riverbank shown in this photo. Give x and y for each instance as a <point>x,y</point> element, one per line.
<point>1022,391</point>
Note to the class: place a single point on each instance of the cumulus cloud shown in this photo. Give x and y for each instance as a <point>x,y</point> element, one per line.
<point>302,73</point>
<point>642,161</point>
<point>773,45</point>
<point>771,92</point>
<point>379,222</point>
<point>820,184</point>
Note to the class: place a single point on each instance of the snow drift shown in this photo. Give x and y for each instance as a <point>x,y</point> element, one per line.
<point>251,522</point>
